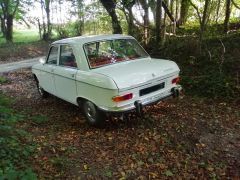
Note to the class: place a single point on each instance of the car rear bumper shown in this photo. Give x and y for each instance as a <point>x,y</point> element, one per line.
<point>139,104</point>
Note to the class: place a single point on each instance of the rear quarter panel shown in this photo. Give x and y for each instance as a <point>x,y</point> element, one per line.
<point>96,88</point>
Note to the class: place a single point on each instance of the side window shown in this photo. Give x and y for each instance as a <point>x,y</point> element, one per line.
<point>53,55</point>
<point>67,57</point>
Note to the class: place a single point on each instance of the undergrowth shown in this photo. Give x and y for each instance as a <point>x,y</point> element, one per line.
<point>212,71</point>
<point>15,146</point>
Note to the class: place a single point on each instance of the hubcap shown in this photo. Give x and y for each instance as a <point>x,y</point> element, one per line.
<point>40,90</point>
<point>90,111</point>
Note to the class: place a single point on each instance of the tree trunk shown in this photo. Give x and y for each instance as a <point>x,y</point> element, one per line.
<point>9,28</point>
<point>3,26</point>
<point>80,17</point>
<point>227,15</point>
<point>145,20</point>
<point>110,6</point>
<point>184,12</point>
<point>204,19</point>
<point>131,26</point>
<point>47,9</point>
<point>218,10</point>
<point>152,4</point>
<point>158,21</point>
<point>146,26</point>
<point>164,29</point>
<point>39,28</point>
<point>115,23</point>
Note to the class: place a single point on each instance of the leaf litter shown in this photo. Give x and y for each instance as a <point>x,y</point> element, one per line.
<point>179,138</point>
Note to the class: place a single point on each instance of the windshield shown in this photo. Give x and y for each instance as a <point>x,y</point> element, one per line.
<point>113,51</point>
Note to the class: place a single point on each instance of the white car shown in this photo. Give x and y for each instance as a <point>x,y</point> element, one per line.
<point>105,73</point>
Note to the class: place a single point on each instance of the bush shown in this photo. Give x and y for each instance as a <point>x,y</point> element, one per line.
<point>210,72</point>
<point>70,29</point>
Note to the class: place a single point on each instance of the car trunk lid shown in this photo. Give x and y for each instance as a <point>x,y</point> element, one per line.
<point>131,74</point>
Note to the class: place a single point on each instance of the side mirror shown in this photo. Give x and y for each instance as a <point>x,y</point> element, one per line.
<point>42,60</point>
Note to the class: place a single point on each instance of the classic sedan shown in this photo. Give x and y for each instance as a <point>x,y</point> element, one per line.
<point>105,74</point>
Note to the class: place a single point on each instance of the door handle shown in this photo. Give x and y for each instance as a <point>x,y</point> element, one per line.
<point>52,70</point>
<point>72,75</point>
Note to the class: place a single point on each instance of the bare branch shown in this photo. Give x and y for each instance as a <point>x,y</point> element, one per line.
<point>197,10</point>
<point>222,56</point>
<point>235,4</point>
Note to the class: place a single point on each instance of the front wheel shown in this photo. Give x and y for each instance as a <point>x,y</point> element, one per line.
<point>41,91</point>
<point>94,116</point>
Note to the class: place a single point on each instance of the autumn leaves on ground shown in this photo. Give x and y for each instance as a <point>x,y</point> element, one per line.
<point>187,138</point>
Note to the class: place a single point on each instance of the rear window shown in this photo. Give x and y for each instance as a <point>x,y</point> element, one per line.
<point>108,52</point>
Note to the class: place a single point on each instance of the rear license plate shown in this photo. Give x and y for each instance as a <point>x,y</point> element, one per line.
<point>151,89</point>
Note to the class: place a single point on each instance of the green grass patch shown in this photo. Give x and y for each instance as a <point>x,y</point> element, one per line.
<point>23,36</point>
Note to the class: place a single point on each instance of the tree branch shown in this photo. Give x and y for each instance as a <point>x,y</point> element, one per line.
<point>16,7</point>
<point>3,10</point>
<point>198,13</point>
<point>235,4</point>
<point>167,11</point>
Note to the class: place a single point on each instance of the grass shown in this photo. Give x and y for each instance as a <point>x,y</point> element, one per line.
<point>23,36</point>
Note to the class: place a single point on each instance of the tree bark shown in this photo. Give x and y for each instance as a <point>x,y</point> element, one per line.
<point>227,15</point>
<point>184,12</point>
<point>218,10</point>
<point>128,5</point>
<point>8,10</point>
<point>3,26</point>
<point>47,9</point>
<point>110,6</point>
<point>158,21</point>
<point>9,28</point>
<point>144,5</point>
<point>80,17</point>
<point>167,11</point>
<point>131,25</point>
<point>152,4</point>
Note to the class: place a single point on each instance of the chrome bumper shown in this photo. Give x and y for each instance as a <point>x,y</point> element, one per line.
<point>139,104</point>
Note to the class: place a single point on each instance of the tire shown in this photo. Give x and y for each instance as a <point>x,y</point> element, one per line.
<point>41,91</point>
<point>93,115</point>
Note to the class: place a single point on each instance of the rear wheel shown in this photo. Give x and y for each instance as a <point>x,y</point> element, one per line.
<point>94,116</point>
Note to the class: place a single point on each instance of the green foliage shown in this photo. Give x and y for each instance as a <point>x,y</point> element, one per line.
<point>213,72</point>
<point>2,80</point>
<point>69,29</point>
<point>15,149</point>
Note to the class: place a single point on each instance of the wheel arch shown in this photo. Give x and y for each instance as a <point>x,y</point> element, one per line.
<point>80,101</point>
<point>35,78</point>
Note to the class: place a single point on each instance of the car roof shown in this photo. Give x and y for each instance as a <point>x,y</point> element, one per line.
<point>86,39</point>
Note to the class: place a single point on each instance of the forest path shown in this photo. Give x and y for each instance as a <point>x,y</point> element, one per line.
<point>18,65</point>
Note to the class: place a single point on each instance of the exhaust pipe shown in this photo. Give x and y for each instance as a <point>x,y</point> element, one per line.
<point>139,108</point>
<point>175,92</point>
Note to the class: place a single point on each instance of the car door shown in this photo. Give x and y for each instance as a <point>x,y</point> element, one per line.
<point>65,74</point>
<point>47,76</point>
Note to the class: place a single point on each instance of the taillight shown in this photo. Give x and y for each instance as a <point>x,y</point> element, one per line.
<point>176,80</point>
<point>122,98</point>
